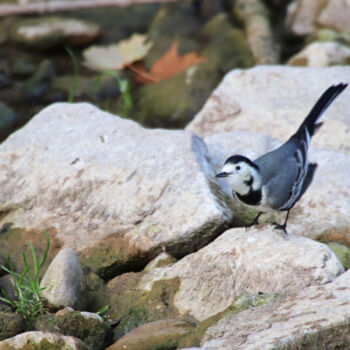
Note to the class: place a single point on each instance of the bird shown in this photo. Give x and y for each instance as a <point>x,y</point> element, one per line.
<point>277,180</point>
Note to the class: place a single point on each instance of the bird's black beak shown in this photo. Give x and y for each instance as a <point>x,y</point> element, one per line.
<point>223,174</point>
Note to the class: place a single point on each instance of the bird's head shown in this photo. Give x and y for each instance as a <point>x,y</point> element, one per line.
<point>241,173</point>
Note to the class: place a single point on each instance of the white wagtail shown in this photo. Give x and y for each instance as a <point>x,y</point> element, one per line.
<point>277,180</point>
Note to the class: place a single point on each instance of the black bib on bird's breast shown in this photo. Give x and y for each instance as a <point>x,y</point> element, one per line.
<point>251,198</point>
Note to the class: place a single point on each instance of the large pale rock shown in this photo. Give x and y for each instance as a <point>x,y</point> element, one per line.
<point>42,340</point>
<point>322,212</point>
<point>64,282</point>
<point>245,261</point>
<point>112,190</point>
<point>309,312</point>
<point>321,54</point>
<point>274,100</point>
<point>335,15</point>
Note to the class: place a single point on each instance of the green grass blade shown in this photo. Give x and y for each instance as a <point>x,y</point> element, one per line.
<point>8,270</point>
<point>73,89</point>
<point>102,310</point>
<point>35,259</point>
<point>7,298</point>
<point>43,258</point>
<point>27,266</point>
<point>23,274</point>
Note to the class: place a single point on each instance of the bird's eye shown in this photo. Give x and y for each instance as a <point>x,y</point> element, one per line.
<point>238,167</point>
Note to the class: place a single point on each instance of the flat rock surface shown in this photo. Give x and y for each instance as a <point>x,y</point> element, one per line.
<point>105,183</point>
<point>245,261</point>
<point>274,100</point>
<point>310,310</point>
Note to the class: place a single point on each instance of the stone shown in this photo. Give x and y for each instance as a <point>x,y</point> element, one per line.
<point>113,191</point>
<point>162,334</point>
<point>3,262</point>
<point>302,16</point>
<point>8,119</point>
<point>343,253</point>
<point>173,102</point>
<point>306,16</point>
<point>131,306</point>
<point>50,31</point>
<point>86,326</point>
<point>166,23</point>
<point>64,282</point>
<point>163,259</point>
<point>11,324</point>
<point>245,261</point>
<point>7,284</point>
<point>91,88</point>
<point>315,317</point>
<point>321,213</point>
<point>256,19</point>
<point>335,15</point>
<point>274,100</point>
<point>226,46</point>
<point>37,86</point>
<point>320,54</point>
<point>22,67</point>
<point>42,340</point>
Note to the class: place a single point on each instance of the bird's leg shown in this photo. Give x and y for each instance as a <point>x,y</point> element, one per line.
<point>282,227</point>
<point>255,221</point>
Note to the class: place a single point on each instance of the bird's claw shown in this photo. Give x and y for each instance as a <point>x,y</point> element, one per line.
<point>280,227</point>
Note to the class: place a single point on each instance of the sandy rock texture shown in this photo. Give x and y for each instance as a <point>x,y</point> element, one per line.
<point>112,190</point>
<point>274,100</point>
<point>317,316</point>
<point>245,261</point>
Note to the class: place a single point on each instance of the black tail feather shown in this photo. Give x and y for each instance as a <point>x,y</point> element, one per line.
<point>311,121</point>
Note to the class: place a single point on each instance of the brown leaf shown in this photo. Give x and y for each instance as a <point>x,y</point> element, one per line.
<point>168,65</point>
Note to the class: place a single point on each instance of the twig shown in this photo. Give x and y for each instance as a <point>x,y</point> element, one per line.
<point>58,6</point>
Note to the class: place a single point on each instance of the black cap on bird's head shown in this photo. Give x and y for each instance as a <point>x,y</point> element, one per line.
<point>235,159</point>
<point>238,158</point>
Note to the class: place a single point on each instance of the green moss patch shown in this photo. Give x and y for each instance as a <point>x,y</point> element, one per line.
<point>241,303</point>
<point>335,337</point>
<point>90,330</point>
<point>342,252</point>
<point>112,256</point>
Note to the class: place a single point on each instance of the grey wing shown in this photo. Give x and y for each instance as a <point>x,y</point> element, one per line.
<point>282,172</point>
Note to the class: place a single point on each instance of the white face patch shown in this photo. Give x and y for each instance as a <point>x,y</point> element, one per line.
<point>239,176</point>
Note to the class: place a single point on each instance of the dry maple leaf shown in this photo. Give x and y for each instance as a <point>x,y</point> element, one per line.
<point>168,65</point>
<point>117,56</point>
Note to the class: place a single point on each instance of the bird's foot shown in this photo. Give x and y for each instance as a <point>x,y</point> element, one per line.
<point>254,222</point>
<point>280,227</point>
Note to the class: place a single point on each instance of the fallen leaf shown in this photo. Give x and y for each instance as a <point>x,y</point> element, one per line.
<point>167,66</point>
<point>117,56</point>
